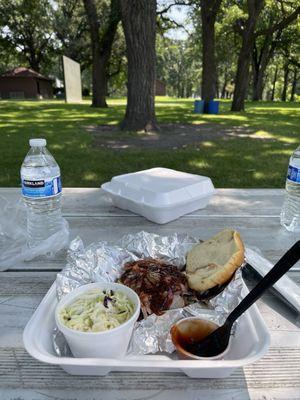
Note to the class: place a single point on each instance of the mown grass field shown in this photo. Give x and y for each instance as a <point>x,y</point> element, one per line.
<point>256,160</point>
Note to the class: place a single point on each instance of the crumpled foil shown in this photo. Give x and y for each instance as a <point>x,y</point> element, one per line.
<point>99,262</point>
<point>152,335</point>
<point>104,261</point>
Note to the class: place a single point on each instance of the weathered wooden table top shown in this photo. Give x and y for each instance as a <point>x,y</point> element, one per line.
<point>254,212</point>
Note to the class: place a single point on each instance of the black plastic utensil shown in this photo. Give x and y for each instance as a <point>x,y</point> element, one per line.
<point>216,342</point>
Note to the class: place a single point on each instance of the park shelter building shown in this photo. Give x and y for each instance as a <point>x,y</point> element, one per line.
<point>24,83</point>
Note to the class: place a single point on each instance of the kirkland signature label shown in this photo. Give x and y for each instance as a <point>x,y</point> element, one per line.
<point>293,174</point>
<point>41,187</point>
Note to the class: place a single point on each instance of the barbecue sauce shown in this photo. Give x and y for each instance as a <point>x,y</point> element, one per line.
<point>188,333</point>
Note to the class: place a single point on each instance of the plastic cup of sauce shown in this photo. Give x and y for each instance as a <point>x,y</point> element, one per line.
<point>187,332</point>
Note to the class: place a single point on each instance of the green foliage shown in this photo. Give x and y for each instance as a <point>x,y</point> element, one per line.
<point>26,26</point>
<point>9,57</point>
<point>71,31</point>
<point>277,38</point>
<point>289,44</point>
<point>227,42</point>
<point>177,66</point>
<point>37,32</point>
<point>229,28</point>
<point>118,66</point>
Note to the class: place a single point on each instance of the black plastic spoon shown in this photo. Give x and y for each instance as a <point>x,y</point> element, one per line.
<point>217,342</point>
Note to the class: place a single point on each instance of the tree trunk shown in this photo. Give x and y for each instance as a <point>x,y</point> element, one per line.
<point>101,48</point>
<point>294,86</point>
<point>257,73</point>
<point>223,92</point>
<point>260,61</point>
<point>274,83</point>
<point>34,64</point>
<point>139,24</point>
<point>248,36</point>
<point>108,37</point>
<point>258,84</point>
<point>217,87</point>
<point>285,82</point>
<point>189,89</point>
<point>182,91</point>
<point>32,58</point>
<point>209,10</point>
<point>99,79</point>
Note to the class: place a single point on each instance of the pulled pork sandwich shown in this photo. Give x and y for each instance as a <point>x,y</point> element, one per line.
<point>160,285</point>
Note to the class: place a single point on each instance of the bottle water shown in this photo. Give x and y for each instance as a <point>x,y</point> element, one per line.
<point>290,213</point>
<point>41,190</point>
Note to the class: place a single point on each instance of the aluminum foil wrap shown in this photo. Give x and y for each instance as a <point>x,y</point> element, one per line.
<point>104,261</point>
<point>152,334</point>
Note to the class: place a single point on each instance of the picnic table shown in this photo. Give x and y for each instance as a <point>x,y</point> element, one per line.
<point>253,212</point>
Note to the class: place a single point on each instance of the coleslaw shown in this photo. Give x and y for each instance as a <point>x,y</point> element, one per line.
<point>97,310</point>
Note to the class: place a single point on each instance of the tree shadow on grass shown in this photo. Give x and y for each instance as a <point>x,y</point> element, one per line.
<point>241,162</point>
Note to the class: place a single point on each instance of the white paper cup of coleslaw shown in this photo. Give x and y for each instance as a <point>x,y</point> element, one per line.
<point>111,343</point>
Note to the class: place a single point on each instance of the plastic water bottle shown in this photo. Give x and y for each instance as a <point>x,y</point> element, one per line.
<point>290,213</point>
<point>41,189</point>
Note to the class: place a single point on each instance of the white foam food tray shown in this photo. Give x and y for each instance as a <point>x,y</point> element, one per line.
<point>160,194</point>
<point>250,343</point>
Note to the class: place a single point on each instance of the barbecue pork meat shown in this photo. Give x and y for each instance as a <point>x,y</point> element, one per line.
<point>160,285</point>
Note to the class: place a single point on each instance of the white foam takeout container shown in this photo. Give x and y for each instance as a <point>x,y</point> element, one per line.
<point>250,343</point>
<point>160,194</point>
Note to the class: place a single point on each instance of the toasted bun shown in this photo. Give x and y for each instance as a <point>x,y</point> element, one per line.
<point>214,261</point>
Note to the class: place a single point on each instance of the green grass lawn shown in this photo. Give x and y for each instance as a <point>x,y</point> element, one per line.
<point>257,161</point>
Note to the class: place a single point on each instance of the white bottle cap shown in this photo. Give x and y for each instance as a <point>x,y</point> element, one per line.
<point>37,142</point>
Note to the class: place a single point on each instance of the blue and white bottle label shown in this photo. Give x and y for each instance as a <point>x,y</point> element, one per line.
<point>42,187</point>
<point>293,174</point>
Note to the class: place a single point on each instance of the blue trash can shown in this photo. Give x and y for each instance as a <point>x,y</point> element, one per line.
<point>212,107</point>
<point>199,106</point>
